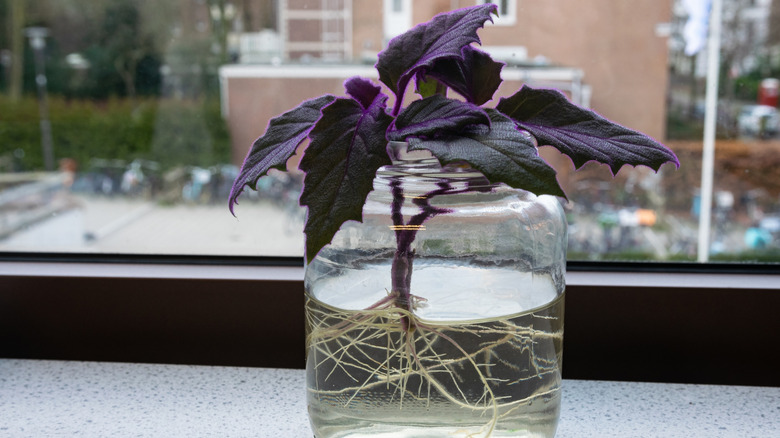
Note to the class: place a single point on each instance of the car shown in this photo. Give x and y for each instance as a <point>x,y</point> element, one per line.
<point>770,224</point>
<point>758,120</point>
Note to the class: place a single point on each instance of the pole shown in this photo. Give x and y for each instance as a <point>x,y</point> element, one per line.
<point>17,49</point>
<point>708,151</point>
<point>37,37</point>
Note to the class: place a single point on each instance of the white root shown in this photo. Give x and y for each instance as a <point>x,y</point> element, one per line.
<point>373,344</point>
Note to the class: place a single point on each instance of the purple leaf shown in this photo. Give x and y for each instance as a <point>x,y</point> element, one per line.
<point>362,90</point>
<point>502,154</point>
<point>444,36</point>
<point>476,77</point>
<point>278,144</point>
<point>582,134</point>
<point>347,147</point>
<point>435,115</point>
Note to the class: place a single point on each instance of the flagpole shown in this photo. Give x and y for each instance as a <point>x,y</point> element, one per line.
<point>710,113</point>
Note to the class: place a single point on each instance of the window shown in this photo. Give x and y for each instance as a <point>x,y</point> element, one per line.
<point>397,18</point>
<point>507,10</point>
<point>122,124</point>
<point>141,157</point>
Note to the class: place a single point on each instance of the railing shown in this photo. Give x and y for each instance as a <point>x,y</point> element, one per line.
<point>30,197</point>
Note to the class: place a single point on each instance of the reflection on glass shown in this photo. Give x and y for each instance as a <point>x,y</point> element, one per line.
<point>153,105</point>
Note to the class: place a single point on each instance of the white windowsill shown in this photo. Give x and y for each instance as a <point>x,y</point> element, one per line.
<point>285,273</point>
<point>59,398</point>
<point>152,270</point>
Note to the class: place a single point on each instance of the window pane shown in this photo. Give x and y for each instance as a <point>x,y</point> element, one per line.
<point>123,122</point>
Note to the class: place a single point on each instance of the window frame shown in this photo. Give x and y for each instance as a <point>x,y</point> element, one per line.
<point>668,322</point>
<point>27,281</point>
<point>624,274</point>
<point>504,18</point>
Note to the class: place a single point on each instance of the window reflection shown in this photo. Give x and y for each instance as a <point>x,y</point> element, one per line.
<point>150,108</point>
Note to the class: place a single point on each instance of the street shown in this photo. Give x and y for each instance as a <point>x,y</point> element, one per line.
<point>126,225</point>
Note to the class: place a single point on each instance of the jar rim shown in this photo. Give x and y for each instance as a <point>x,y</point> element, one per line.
<point>423,164</point>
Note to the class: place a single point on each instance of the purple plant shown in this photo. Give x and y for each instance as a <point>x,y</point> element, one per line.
<point>348,135</point>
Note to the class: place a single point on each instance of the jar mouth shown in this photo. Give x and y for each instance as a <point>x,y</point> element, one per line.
<point>400,154</point>
<point>423,164</point>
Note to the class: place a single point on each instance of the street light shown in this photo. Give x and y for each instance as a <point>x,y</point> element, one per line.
<point>222,13</point>
<point>37,36</point>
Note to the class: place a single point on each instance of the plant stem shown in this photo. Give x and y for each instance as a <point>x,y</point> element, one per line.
<point>403,260</point>
<point>401,271</point>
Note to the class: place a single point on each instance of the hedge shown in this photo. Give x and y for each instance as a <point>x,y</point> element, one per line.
<point>171,132</point>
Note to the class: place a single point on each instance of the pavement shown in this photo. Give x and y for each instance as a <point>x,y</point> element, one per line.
<point>119,225</point>
<point>127,225</point>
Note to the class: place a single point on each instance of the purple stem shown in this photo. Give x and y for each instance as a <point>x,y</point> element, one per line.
<point>403,260</point>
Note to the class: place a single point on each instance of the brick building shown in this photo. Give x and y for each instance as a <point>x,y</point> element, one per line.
<point>606,54</point>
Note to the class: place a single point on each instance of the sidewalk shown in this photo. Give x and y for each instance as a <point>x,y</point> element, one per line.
<point>116,225</point>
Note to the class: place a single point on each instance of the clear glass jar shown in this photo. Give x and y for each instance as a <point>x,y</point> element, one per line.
<point>441,314</point>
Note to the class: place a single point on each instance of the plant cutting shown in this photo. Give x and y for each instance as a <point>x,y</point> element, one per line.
<point>387,351</point>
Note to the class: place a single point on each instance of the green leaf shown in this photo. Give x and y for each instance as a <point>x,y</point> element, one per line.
<point>347,147</point>
<point>501,153</point>
<point>582,134</point>
<point>428,86</point>
<point>278,144</point>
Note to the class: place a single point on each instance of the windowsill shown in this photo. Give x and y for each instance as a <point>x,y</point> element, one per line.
<point>60,398</point>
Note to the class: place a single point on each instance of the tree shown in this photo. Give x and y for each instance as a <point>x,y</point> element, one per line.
<point>741,46</point>
<point>773,40</point>
<point>123,39</point>
<point>774,24</point>
<point>221,13</point>
<point>16,18</point>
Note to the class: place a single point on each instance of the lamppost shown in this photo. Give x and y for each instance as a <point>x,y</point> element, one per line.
<point>222,13</point>
<point>37,36</point>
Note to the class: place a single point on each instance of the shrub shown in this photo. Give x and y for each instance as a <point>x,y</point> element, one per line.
<point>169,131</point>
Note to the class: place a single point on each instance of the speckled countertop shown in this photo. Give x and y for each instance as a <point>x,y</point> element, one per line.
<point>95,399</point>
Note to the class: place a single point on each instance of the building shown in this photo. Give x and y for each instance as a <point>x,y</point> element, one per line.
<point>611,56</point>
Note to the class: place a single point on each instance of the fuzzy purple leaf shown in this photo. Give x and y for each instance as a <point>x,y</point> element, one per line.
<point>278,144</point>
<point>347,147</point>
<point>436,115</point>
<point>501,153</point>
<point>582,134</point>
<point>475,77</point>
<point>362,90</point>
<point>444,36</point>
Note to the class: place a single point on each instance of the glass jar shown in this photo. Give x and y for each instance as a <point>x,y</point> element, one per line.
<point>441,314</point>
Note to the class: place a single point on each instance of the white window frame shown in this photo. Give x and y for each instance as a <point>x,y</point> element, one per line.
<point>220,270</point>
<point>506,16</point>
<point>638,307</point>
<point>396,22</point>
